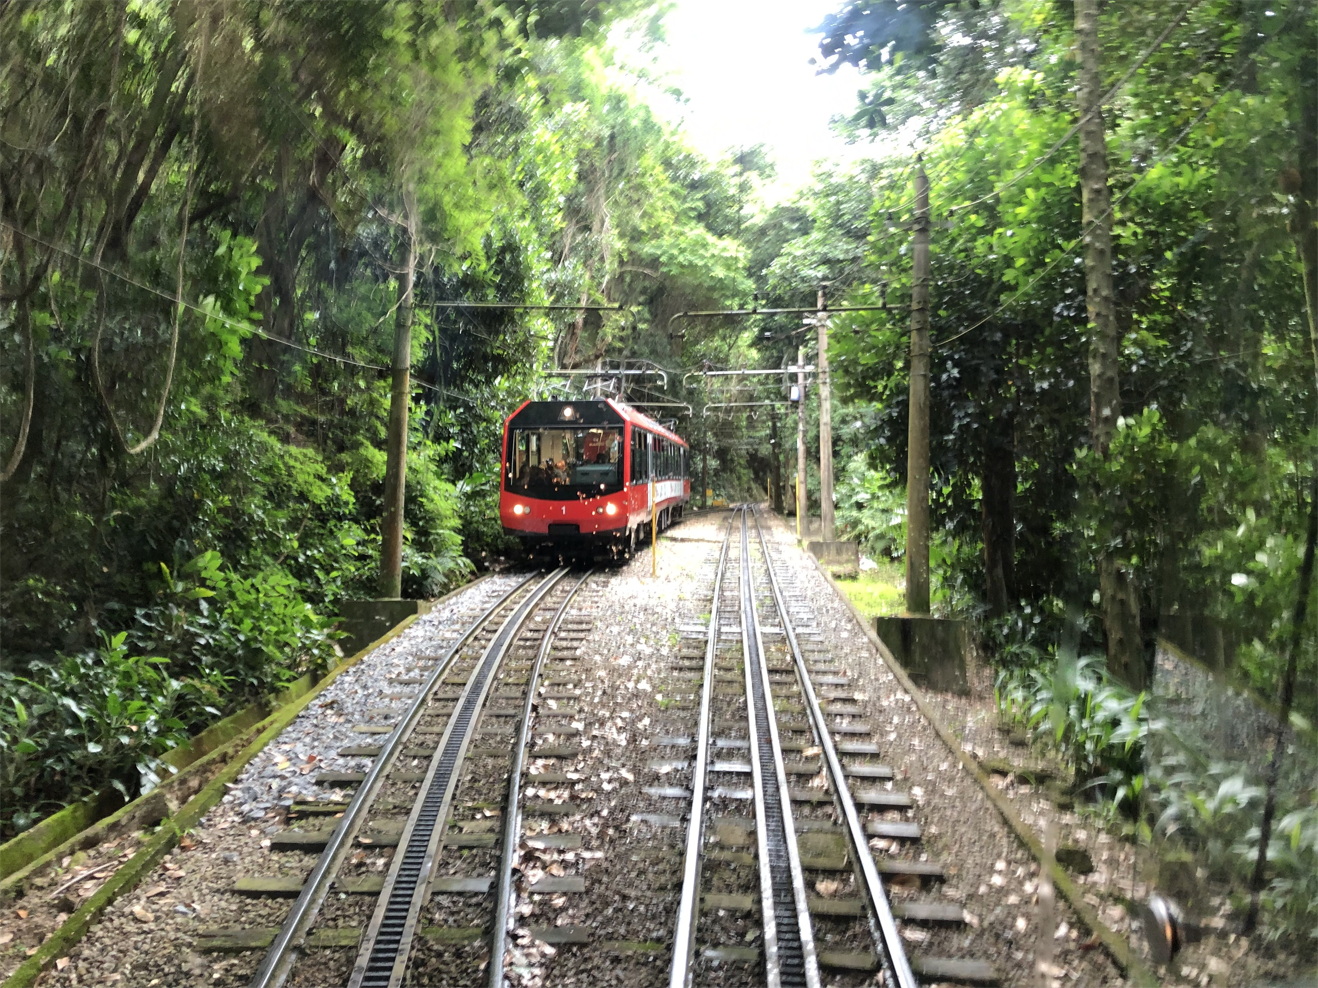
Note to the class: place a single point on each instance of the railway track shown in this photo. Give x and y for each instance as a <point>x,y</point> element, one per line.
<point>690,792</point>
<point>804,904</point>
<point>442,905</point>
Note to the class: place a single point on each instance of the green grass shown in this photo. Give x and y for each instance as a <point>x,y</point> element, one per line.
<point>878,591</point>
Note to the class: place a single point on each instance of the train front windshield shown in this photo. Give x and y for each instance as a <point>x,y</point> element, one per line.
<point>564,462</point>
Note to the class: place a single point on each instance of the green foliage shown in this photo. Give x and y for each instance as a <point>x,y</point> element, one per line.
<point>1243,550</point>
<point>83,720</point>
<point>878,591</point>
<point>478,511</point>
<point>433,560</point>
<point>255,633</point>
<point>871,509</point>
<point>1105,733</point>
<point>1215,809</point>
<point>1099,726</point>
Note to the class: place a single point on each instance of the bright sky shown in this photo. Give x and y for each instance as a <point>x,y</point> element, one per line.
<point>744,66</point>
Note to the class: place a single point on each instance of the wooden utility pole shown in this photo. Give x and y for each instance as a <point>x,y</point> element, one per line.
<point>917,422</point>
<point>802,498</point>
<point>825,424</point>
<point>400,395</point>
<point>1117,590</point>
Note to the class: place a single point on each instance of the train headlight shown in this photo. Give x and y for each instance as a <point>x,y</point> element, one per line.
<point>610,508</point>
<point>521,509</point>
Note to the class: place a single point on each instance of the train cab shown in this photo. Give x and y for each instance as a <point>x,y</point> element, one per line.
<point>588,476</point>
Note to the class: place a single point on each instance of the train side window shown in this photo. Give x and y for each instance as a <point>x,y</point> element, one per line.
<point>638,456</point>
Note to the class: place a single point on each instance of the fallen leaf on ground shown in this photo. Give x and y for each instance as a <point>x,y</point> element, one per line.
<point>142,915</point>
<point>827,887</point>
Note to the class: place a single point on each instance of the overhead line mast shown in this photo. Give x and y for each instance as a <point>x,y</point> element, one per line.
<point>819,319</point>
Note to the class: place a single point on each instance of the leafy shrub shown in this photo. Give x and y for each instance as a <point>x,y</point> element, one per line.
<point>83,720</point>
<point>871,509</point>
<point>956,569</point>
<point>1097,724</point>
<point>1215,810</point>
<point>433,559</point>
<point>34,609</point>
<point>256,633</point>
<point>482,532</point>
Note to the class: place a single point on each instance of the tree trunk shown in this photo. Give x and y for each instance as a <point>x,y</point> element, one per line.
<point>1306,213</point>
<point>395,473</point>
<point>998,513</point>
<point>1117,589</point>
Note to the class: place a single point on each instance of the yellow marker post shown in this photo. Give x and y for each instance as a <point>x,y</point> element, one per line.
<point>654,531</point>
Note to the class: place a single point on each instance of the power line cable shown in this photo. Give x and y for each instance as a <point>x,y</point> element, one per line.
<point>218,316</point>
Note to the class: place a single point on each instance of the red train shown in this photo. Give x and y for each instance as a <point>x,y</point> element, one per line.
<point>578,476</point>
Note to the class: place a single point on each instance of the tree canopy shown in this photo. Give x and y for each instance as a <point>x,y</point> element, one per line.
<point>215,218</point>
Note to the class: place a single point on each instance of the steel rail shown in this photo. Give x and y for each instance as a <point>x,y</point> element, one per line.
<point>281,956</point>
<point>883,926</point>
<point>688,909</point>
<point>383,953</point>
<point>789,946</point>
<point>512,817</point>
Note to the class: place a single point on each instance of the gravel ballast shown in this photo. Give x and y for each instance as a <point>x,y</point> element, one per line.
<point>631,703</point>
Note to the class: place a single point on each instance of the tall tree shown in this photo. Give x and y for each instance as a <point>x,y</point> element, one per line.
<point>1119,593</point>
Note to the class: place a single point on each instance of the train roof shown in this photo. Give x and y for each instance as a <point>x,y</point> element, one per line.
<point>624,412</point>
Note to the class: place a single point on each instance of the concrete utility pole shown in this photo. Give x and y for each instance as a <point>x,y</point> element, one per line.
<point>917,434</point>
<point>704,458</point>
<point>775,464</point>
<point>802,499</point>
<point>825,425</point>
